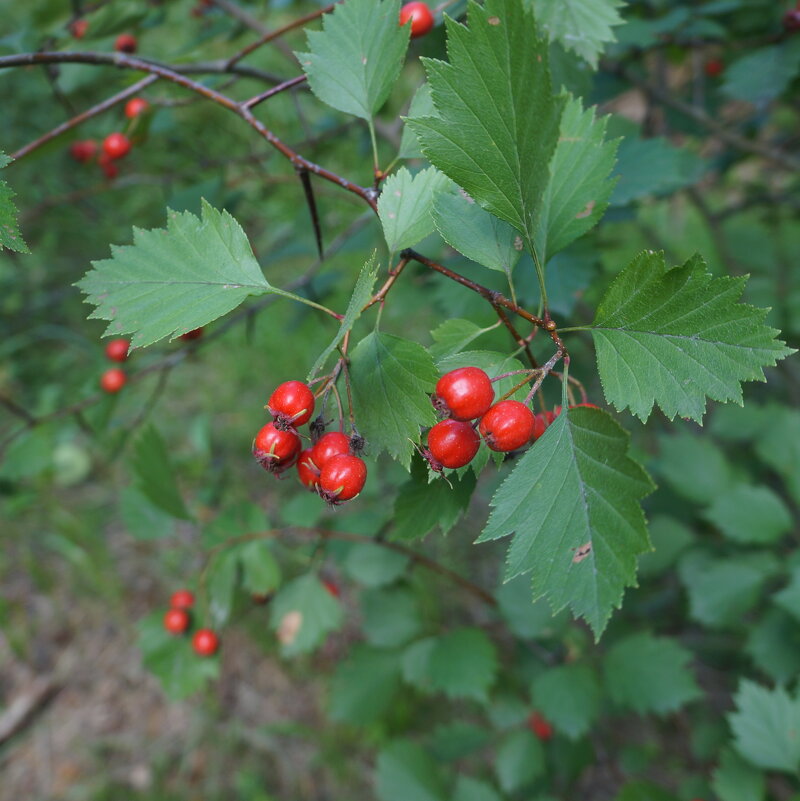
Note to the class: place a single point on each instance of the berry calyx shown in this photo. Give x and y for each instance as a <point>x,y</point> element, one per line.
<point>452,443</point>
<point>465,393</point>
<point>342,478</point>
<point>117,350</point>
<point>136,106</point>
<point>176,621</point>
<point>205,642</point>
<point>116,145</point>
<point>182,599</point>
<point>292,403</point>
<point>540,726</point>
<point>329,445</point>
<point>125,43</point>
<point>83,150</point>
<point>713,68</point>
<point>508,425</point>
<point>307,470</point>
<point>275,449</point>
<point>195,333</point>
<point>113,380</point>
<point>421,18</point>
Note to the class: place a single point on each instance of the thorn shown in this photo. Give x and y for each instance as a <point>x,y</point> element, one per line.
<point>308,190</point>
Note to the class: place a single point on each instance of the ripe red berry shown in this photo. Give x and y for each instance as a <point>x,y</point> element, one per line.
<point>342,478</point>
<point>713,68</point>
<point>329,445</point>
<point>176,621</point>
<point>276,449</point>
<point>465,393</point>
<point>332,587</point>
<point>452,444</point>
<point>136,106</point>
<point>182,599</point>
<point>292,403</point>
<point>791,20</point>
<point>107,165</point>
<point>540,423</point>
<point>540,726</point>
<point>113,380</point>
<point>420,16</point>
<point>125,43</point>
<point>205,642</point>
<point>307,470</point>
<point>78,28</point>
<point>508,425</point>
<point>84,150</point>
<point>117,350</point>
<point>195,333</point>
<point>116,145</point>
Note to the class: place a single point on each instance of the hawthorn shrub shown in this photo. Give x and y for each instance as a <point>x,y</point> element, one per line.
<point>471,285</point>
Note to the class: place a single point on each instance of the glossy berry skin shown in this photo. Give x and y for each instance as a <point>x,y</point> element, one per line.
<point>205,642</point>
<point>276,449</point>
<point>182,599</point>
<point>84,150</point>
<point>195,333</point>
<point>465,393</point>
<point>329,445</point>
<point>116,145</point>
<point>540,423</point>
<point>452,444</point>
<point>540,726</point>
<point>125,43</point>
<point>713,68</point>
<point>307,470</point>
<point>117,350</point>
<point>420,16</point>
<point>508,425</point>
<point>342,478</point>
<point>176,621</point>
<point>113,380</point>
<point>136,106</point>
<point>292,403</point>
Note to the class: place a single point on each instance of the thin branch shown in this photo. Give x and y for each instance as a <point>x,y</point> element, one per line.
<point>276,90</point>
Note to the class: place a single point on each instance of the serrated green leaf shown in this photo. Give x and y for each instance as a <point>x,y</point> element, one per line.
<point>463,664</point>
<point>175,279</point>
<point>391,616</point>
<point>405,772</point>
<point>392,378</point>
<point>362,292</point>
<point>374,565</point>
<point>749,514</point>
<point>452,741</point>
<point>421,106</point>
<point>498,117</point>
<point>469,789</point>
<point>569,697</point>
<point>673,337</point>
<point>155,476</point>
<point>649,674</point>
<point>10,237</point>
<point>579,188</point>
<point>354,61</point>
<point>261,572</point>
<point>519,760</point>
<point>454,335</point>
<point>736,780</point>
<point>406,204</point>
<point>765,727</point>
<point>572,503</point>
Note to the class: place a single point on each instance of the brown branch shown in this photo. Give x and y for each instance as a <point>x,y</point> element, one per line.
<point>379,296</point>
<point>276,90</point>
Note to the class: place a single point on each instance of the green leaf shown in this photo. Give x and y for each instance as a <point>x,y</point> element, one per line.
<point>354,61</point>
<point>405,772</point>
<point>649,674</point>
<point>374,565</point>
<point>789,597</point>
<point>261,572</point>
<point>579,188</point>
<point>673,337</point>
<point>670,539</point>
<point>498,120</point>
<point>583,26</point>
<point>155,476</point>
<point>764,74</point>
<point>421,106</point>
<point>475,233</point>
<point>469,789</point>
<point>303,613</point>
<point>736,780</point>
<point>463,664</point>
<point>454,335</point>
<point>765,727</point>
<point>391,616</point>
<point>519,760</point>
<point>569,697</point>
<point>364,685</point>
<point>143,520</point>
<point>453,741</point>
<point>175,279</point>
<point>694,467</point>
<point>572,502</point>
<point>749,514</point>
<point>360,297</point>
<point>774,645</point>
<point>235,520</point>
<point>392,378</point>
<point>222,577</point>
<point>416,662</point>
<point>10,237</point>
<point>778,446</point>
<point>527,618</point>
<point>405,206</point>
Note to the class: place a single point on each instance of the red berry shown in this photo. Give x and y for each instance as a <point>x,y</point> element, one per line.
<point>205,642</point>
<point>540,423</point>
<point>113,380</point>
<point>540,726</point>
<point>136,106</point>
<point>176,621</point>
<point>195,333</point>
<point>465,393</point>
<point>453,443</point>
<point>342,478</point>
<point>332,587</point>
<point>125,43</point>
<point>117,350</point>
<point>116,145</point>
<point>713,68</point>
<point>182,599</point>
<point>276,449</point>
<point>420,16</point>
<point>329,445</point>
<point>791,20</point>
<point>78,28</point>
<point>307,470</point>
<point>508,425</point>
<point>292,403</point>
<point>84,150</point>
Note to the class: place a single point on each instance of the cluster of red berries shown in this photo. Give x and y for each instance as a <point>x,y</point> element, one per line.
<point>124,43</point>
<point>330,467</point>
<point>178,619</point>
<point>421,18</point>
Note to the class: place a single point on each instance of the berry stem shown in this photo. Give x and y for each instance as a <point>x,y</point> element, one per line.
<point>545,370</point>
<point>530,373</point>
